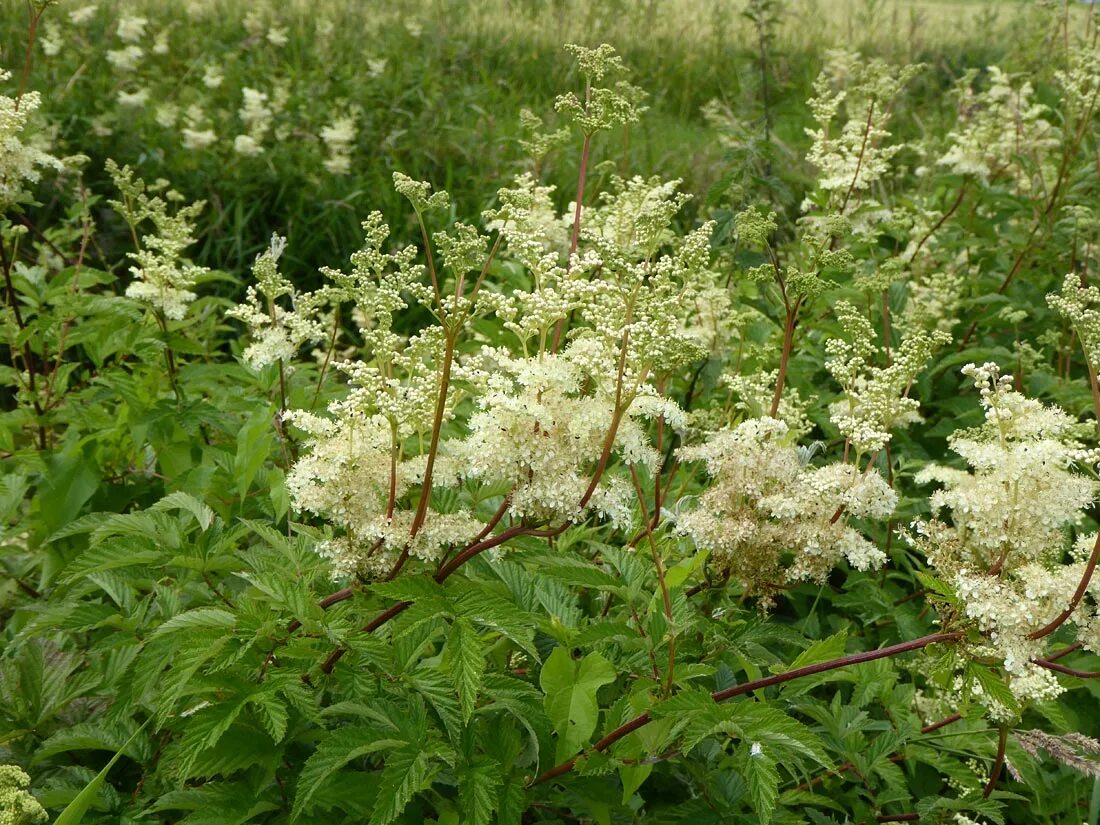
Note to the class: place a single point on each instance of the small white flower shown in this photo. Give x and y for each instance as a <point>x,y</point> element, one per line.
<point>125,59</point>
<point>131,29</point>
<point>82,15</point>
<point>136,99</point>
<point>198,138</point>
<point>246,145</point>
<point>212,77</point>
<point>277,36</point>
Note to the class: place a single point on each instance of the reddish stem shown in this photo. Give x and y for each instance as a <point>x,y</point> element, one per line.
<point>998,763</point>
<point>1078,594</point>
<point>788,339</point>
<point>748,687</point>
<point>1069,671</point>
<point>576,235</point>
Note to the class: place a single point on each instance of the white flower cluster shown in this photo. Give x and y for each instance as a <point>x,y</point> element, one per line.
<point>126,59</point>
<point>339,140</point>
<point>255,115</point>
<point>1079,303</point>
<point>1080,81</point>
<point>770,518</point>
<point>1001,131</point>
<point>539,434</point>
<point>754,393</point>
<point>933,302</point>
<point>1003,551</point>
<point>547,420</point>
<point>852,157</point>
<point>21,160</point>
<point>363,465</point>
<point>162,276</point>
<point>875,398</point>
<point>17,806</point>
<point>82,15</point>
<point>197,134</point>
<point>277,333</point>
<point>352,474</point>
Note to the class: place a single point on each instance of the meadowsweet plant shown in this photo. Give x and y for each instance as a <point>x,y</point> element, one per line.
<point>163,278</point>
<point>854,98</point>
<point>637,462</point>
<point>1004,552</point>
<point>771,518</point>
<point>22,159</point>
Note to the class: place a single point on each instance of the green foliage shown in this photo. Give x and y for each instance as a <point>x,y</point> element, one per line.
<point>570,688</point>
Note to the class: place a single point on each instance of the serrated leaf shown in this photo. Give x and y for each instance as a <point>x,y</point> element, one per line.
<point>993,685</point>
<point>763,781</point>
<point>477,791</point>
<point>523,702</point>
<point>466,664</point>
<point>337,749</point>
<point>206,618</point>
<point>406,772</point>
<point>822,650</point>
<point>272,712</point>
<point>439,691</point>
<point>494,612</point>
<point>181,500</point>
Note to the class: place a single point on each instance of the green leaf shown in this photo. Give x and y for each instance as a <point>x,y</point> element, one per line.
<point>71,478</point>
<point>522,701</point>
<point>993,685</point>
<point>763,780</point>
<point>632,777</point>
<point>439,691</point>
<point>75,810</point>
<point>570,687</point>
<point>477,791</point>
<point>180,500</point>
<point>208,618</point>
<point>338,748</point>
<point>406,772</point>
<point>820,651</point>
<point>272,712</point>
<point>467,664</point>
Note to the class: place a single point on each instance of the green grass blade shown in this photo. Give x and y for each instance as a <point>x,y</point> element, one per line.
<point>75,810</point>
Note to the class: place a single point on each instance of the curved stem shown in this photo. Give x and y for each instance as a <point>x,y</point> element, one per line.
<point>998,763</point>
<point>1065,651</point>
<point>437,427</point>
<point>862,152</point>
<point>1069,671</point>
<point>576,234</point>
<point>328,356</point>
<point>946,216</point>
<point>440,577</point>
<point>748,687</point>
<point>1078,594</point>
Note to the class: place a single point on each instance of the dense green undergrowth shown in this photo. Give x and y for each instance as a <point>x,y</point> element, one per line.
<point>758,487</point>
